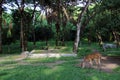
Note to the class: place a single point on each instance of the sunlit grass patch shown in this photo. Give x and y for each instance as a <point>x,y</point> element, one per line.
<point>7,62</point>
<point>38,69</point>
<point>117,69</point>
<point>64,71</point>
<point>43,60</point>
<point>61,49</point>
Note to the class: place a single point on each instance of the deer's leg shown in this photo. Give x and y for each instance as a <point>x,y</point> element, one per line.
<point>91,63</point>
<point>83,64</point>
<point>98,63</point>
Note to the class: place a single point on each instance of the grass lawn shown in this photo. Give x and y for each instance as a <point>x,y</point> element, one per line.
<point>43,69</point>
<point>53,68</point>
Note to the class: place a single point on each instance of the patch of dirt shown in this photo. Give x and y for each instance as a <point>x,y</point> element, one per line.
<point>108,63</point>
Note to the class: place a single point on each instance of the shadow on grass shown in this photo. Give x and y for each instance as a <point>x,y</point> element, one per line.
<point>3,73</point>
<point>65,71</point>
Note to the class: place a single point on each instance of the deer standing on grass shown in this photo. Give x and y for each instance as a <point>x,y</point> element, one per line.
<point>94,57</point>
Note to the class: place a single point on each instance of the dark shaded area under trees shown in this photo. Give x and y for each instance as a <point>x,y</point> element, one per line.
<point>98,22</point>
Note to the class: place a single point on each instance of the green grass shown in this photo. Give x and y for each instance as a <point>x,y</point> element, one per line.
<point>84,48</point>
<point>15,47</point>
<point>43,60</point>
<point>117,69</point>
<point>49,60</point>
<point>36,69</point>
<point>65,71</point>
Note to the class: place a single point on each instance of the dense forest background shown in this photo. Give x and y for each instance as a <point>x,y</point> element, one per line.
<point>59,21</point>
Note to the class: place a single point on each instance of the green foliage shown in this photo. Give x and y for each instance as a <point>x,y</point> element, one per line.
<point>41,33</point>
<point>67,32</point>
<point>105,21</point>
<point>17,23</point>
<point>110,4</point>
<point>7,30</point>
<point>9,34</point>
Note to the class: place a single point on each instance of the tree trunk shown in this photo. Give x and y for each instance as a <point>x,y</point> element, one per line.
<point>115,37</point>
<point>63,22</point>
<point>100,39</point>
<point>0,26</point>
<point>89,39</point>
<point>75,47</point>
<point>58,23</point>
<point>79,24</point>
<point>22,36</point>
<point>33,20</point>
<point>34,40</point>
<point>65,13</point>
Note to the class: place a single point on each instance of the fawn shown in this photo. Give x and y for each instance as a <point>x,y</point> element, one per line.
<point>91,58</point>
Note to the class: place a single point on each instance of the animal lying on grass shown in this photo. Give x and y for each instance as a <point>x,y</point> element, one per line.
<point>92,58</point>
<point>107,45</point>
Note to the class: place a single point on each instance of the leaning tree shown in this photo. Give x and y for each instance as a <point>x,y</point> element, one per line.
<point>79,25</point>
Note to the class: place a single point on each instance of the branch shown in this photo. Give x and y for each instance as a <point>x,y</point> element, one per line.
<point>88,20</point>
<point>35,5</point>
<point>66,14</point>
<point>18,5</point>
<point>83,11</point>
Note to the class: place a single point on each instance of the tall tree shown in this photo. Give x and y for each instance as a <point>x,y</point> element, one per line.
<point>1,1</point>
<point>21,10</point>
<point>79,25</point>
<point>24,19</point>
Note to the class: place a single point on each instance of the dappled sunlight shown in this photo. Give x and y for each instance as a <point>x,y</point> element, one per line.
<point>62,68</point>
<point>38,51</point>
<point>111,66</point>
<point>9,57</point>
<point>6,67</point>
<point>94,78</point>
<point>63,47</point>
<point>80,48</point>
<point>53,70</point>
<point>50,69</point>
<point>62,50</point>
<point>59,40</point>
